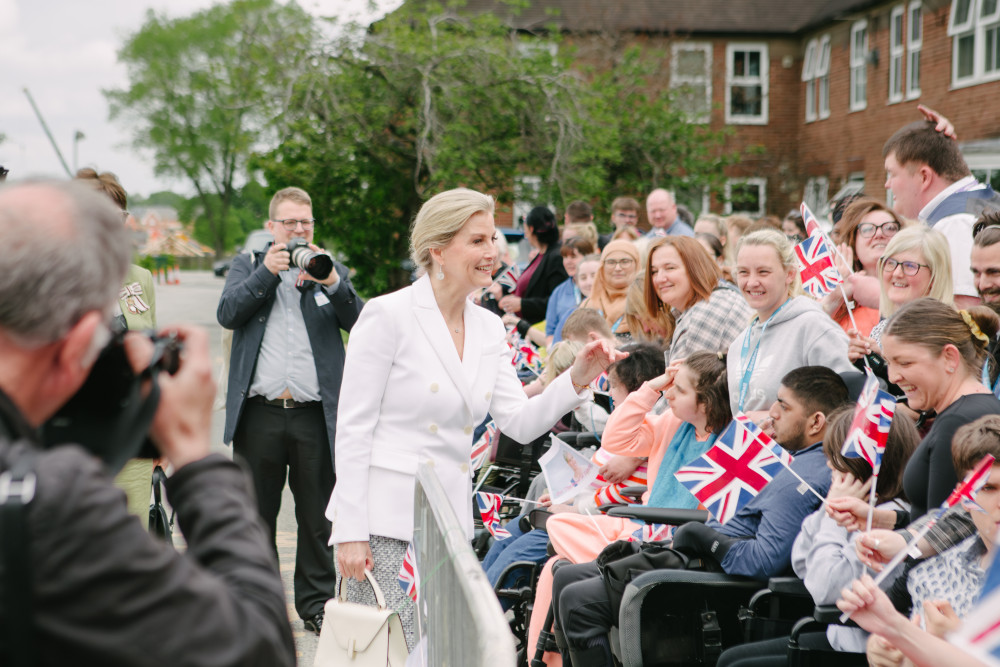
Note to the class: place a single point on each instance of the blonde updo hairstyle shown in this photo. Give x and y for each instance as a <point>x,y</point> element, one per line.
<point>441,218</point>
<point>784,249</point>
<point>934,325</point>
<point>933,245</point>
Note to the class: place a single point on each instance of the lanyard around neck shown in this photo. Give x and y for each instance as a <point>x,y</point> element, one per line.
<point>749,364</point>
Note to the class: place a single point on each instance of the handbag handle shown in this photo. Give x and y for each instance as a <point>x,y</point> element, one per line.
<point>379,598</point>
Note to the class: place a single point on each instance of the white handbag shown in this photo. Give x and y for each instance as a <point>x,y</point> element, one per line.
<point>357,635</point>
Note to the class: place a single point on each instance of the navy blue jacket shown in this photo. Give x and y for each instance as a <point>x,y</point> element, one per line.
<point>245,306</point>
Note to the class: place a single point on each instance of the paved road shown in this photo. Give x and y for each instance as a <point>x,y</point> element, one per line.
<point>194,301</point>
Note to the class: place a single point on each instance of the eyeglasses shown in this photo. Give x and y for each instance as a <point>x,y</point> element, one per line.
<point>125,215</point>
<point>868,229</point>
<point>3,174</point>
<point>291,223</point>
<point>624,263</point>
<point>628,215</point>
<point>909,268</point>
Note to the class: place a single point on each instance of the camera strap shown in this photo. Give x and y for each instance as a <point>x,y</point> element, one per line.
<point>17,488</point>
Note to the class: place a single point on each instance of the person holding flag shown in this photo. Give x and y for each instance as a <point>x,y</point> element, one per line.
<point>823,554</point>
<point>945,588</point>
<point>934,355</point>
<point>789,330</point>
<point>756,542</point>
<point>866,227</point>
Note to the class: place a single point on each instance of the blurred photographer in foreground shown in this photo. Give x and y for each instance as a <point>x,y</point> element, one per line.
<point>79,577</point>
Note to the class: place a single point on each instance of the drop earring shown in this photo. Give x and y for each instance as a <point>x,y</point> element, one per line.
<point>440,273</point>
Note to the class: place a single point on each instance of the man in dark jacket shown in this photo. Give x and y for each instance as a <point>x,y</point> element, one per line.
<point>89,585</point>
<point>284,382</point>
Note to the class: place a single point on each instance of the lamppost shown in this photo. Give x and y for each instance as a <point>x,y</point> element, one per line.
<point>76,140</point>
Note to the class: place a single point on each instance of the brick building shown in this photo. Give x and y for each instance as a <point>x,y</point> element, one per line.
<point>818,84</point>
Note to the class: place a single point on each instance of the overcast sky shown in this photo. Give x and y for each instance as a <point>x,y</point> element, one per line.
<point>64,52</point>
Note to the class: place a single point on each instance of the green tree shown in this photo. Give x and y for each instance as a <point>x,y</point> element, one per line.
<point>207,90</point>
<point>428,99</point>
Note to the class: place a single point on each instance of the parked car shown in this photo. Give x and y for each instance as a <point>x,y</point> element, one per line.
<point>256,242</point>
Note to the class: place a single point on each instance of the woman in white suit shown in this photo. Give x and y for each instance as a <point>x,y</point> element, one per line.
<point>424,366</point>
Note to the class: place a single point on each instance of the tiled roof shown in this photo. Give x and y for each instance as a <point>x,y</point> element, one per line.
<point>761,17</point>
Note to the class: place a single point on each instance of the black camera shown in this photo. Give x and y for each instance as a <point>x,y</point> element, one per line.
<point>316,264</point>
<point>109,416</point>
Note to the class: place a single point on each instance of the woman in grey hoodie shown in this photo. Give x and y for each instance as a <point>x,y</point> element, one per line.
<point>789,331</point>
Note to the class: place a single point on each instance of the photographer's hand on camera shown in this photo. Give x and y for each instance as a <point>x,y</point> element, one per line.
<point>182,425</point>
<point>332,279</point>
<point>277,259</point>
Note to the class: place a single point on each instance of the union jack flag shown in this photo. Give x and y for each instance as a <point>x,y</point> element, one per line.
<point>967,489</point>
<point>819,274</point>
<point>653,532</point>
<point>870,428</point>
<point>763,438</point>
<point>484,445</point>
<point>409,578</point>
<point>526,356</point>
<point>489,509</point>
<point>812,224</point>
<point>509,277</point>
<point>980,630</point>
<point>733,471</point>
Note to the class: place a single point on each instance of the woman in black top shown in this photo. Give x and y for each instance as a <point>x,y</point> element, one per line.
<point>936,355</point>
<point>543,273</point>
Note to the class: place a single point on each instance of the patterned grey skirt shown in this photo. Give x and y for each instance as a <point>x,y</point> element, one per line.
<point>388,554</point>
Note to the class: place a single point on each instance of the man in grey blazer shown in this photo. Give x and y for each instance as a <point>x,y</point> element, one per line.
<point>285,369</point>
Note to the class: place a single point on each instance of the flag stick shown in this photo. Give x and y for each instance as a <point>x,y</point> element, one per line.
<point>898,558</point>
<point>596,527</point>
<point>482,479</point>
<point>871,501</point>
<point>850,314</point>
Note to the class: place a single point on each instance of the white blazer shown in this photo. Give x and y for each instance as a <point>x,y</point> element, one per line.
<point>407,398</point>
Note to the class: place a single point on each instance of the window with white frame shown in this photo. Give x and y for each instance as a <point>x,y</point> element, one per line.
<point>974,26</point>
<point>815,194</point>
<point>897,49</point>
<point>914,40</point>
<point>746,84</point>
<point>527,192</point>
<point>816,75</point>
<point>823,76</point>
<point>859,66</point>
<point>809,76</point>
<point>746,195</point>
<point>691,79</point>
<point>986,168</point>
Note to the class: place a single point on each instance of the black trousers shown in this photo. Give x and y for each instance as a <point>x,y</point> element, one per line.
<point>774,652</point>
<point>277,442</point>
<point>580,604</point>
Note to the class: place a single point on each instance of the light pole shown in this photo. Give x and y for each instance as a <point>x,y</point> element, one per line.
<point>76,140</point>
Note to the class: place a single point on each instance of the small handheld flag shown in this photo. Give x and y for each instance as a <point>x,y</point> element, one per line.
<point>489,510</point>
<point>732,472</point>
<point>409,578</point>
<point>818,272</point>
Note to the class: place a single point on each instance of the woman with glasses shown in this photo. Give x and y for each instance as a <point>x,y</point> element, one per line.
<point>916,263</point>
<point>866,227</point>
<point>619,265</point>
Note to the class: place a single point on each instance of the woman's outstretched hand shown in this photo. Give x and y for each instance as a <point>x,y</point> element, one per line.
<point>593,360</point>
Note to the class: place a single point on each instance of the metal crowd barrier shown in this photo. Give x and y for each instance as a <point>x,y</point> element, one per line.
<point>457,608</point>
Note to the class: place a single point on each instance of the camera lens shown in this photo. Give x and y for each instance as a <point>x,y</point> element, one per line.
<point>316,264</point>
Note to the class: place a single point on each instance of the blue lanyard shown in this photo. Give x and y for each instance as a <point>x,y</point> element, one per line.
<point>618,323</point>
<point>748,366</point>
<point>576,293</point>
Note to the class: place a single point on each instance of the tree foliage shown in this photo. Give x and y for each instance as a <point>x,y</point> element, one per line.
<point>207,90</point>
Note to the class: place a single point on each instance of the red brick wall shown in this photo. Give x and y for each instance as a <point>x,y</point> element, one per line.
<point>852,141</point>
